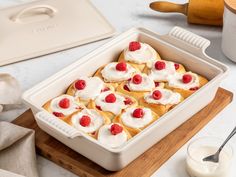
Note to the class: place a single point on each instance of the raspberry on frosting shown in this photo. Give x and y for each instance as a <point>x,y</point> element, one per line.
<point>187,78</point>
<point>85,121</point>
<point>156,95</point>
<point>110,98</point>
<point>138,113</point>
<point>137,79</point>
<point>80,84</point>
<point>58,114</point>
<point>64,103</point>
<point>160,65</point>
<point>116,129</point>
<point>133,46</point>
<point>122,66</point>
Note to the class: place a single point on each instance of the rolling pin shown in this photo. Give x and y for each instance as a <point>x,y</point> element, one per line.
<point>206,12</point>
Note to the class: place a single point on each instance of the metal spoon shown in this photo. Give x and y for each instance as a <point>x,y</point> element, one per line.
<point>215,157</point>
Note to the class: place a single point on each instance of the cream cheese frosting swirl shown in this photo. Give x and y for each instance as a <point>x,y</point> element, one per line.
<point>176,81</point>
<point>111,74</point>
<point>145,55</point>
<point>96,120</point>
<point>132,122</point>
<point>168,97</point>
<point>115,107</point>
<point>93,88</point>
<point>164,74</point>
<point>147,84</point>
<point>106,138</point>
<point>54,105</point>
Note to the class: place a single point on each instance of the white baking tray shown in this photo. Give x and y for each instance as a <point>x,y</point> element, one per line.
<point>179,45</point>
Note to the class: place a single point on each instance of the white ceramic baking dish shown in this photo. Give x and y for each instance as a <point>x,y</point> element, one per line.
<point>179,45</point>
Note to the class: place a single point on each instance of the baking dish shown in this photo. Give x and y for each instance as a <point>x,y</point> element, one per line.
<point>178,45</point>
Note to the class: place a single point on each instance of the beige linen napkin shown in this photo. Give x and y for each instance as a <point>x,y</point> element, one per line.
<point>17,150</point>
<point>10,92</point>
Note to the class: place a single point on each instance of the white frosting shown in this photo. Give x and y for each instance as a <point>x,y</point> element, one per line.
<point>115,107</point>
<point>197,167</point>
<point>110,74</point>
<point>93,88</point>
<point>54,105</point>
<point>176,81</point>
<point>106,138</point>
<point>164,74</point>
<point>146,54</point>
<point>133,122</point>
<point>168,97</point>
<point>96,120</point>
<point>147,84</point>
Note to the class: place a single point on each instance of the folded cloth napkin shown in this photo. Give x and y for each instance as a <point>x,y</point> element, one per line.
<point>10,92</point>
<point>17,150</point>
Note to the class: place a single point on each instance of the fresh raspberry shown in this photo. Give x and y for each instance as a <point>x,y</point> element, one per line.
<point>160,65</point>
<point>85,121</point>
<point>122,66</point>
<point>138,113</point>
<point>137,79</point>
<point>187,78</point>
<point>126,88</point>
<point>134,46</point>
<point>176,66</point>
<point>58,114</point>
<point>99,108</point>
<point>64,103</point>
<point>157,95</point>
<point>116,129</point>
<point>194,88</point>
<point>157,84</point>
<point>105,89</point>
<point>80,84</point>
<point>128,101</point>
<point>111,98</point>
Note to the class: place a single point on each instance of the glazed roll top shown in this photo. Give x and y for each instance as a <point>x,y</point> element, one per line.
<point>140,82</point>
<point>88,87</point>
<point>140,53</point>
<point>64,105</point>
<point>136,117</point>
<point>111,101</point>
<point>117,72</point>
<point>88,120</point>
<point>162,96</point>
<point>112,135</point>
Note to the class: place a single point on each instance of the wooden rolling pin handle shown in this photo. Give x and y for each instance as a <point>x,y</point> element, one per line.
<point>169,7</point>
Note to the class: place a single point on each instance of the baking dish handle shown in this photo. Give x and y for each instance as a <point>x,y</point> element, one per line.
<point>56,124</point>
<point>48,10</point>
<point>187,40</point>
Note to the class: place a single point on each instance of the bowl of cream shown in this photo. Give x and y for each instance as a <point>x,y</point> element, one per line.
<point>203,147</point>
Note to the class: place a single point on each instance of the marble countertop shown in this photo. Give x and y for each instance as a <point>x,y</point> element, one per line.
<point>123,15</point>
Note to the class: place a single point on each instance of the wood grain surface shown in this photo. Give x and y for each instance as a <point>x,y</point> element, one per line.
<point>144,165</point>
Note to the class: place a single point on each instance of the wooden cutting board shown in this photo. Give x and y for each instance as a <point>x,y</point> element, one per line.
<point>144,165</point>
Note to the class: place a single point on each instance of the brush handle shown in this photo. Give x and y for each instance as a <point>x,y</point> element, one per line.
<point>162,6</point>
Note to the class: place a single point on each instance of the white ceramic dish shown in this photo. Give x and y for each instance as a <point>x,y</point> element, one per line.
<point>179,45</point>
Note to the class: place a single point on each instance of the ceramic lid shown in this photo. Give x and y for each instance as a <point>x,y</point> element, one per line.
<point>47,26</point>
<point>231,5</point>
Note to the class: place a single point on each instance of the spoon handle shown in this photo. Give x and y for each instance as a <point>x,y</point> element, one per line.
<point>227,139</point>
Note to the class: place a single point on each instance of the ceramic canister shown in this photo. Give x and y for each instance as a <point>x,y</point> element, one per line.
<point>229,30</point>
